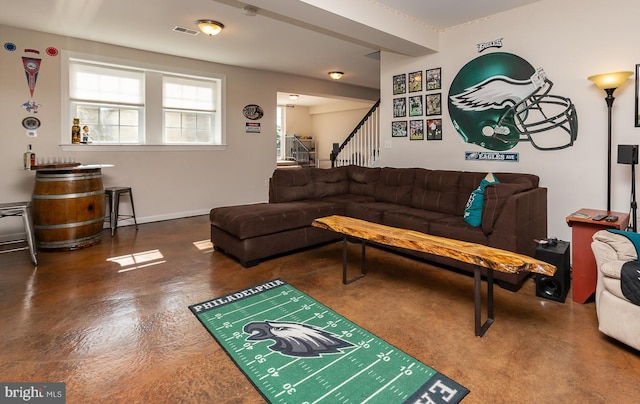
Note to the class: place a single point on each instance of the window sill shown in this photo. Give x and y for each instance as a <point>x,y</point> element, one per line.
<point>136,148</point>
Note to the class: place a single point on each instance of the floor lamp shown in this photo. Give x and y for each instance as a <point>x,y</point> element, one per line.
<point>609,82</point>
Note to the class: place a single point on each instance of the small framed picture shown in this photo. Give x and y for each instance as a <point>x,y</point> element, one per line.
<point>415,105</point>
<point>434,106</point>
<point>399,129</point>
<point>415,82</point>
<point>399,84</point>
<point>416,130</point>
<point>399,107</point>
<point>433,79</point>
<point>637,116</point>
<point>434,129</point>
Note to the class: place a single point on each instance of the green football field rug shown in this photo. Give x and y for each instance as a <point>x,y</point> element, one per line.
<point>296,350</point>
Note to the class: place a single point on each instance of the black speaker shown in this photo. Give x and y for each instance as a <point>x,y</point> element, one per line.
<point>627,154</point>
<point>557,286</point>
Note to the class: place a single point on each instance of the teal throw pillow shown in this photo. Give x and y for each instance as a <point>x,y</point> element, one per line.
<point>473,210</point>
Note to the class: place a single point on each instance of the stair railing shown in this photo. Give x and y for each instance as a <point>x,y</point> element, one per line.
<point>362,146</point>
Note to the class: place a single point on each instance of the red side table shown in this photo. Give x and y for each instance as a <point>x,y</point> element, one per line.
<point>584,268</point>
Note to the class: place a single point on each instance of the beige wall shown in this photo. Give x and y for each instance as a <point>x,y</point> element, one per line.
<point>334,127</point>
<point>571,40</point>
<point>328,124</point>
<point>166,184</point>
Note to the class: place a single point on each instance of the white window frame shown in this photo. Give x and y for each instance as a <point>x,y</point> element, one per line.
<point>153,125</point>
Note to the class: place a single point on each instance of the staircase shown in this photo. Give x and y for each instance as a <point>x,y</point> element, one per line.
<point>362,146</point>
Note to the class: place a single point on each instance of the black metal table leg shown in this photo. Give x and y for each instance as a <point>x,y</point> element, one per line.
<point>363,267</point>
<point>482,328</point>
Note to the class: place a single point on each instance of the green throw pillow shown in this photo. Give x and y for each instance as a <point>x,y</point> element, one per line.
<point>473,210</point>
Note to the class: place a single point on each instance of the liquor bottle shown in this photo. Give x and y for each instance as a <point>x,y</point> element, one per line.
<point>75,131</point>
<point>29,159</point>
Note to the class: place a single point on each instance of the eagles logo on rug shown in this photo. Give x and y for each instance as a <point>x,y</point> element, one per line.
<point>499,100</point>
<point>294,349</point>
<point>295,339</point>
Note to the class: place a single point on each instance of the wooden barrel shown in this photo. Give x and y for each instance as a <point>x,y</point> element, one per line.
<point>68,208</point>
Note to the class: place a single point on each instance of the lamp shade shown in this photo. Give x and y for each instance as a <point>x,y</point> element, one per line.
<point>610,80</point>
<point>210,27</point>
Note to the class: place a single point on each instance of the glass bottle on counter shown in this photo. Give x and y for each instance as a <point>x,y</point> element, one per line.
<point>29,159</point>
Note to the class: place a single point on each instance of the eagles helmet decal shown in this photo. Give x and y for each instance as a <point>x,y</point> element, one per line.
<point>498,100</point>
<point>295,339</point>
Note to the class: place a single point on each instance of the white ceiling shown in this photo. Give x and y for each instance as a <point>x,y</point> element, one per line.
<point>307,38</point>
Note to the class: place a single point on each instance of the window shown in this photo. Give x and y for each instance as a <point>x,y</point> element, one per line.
<point>141,105</point>
<point>189,110</point>
<point>280,131</point>
<point>109,101</point>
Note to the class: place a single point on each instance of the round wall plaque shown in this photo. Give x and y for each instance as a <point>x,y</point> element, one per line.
<point>253,112</point>
<point>30,123</point>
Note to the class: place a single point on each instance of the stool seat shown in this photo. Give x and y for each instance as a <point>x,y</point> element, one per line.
<point>20,209</point>
<point>113,201</point>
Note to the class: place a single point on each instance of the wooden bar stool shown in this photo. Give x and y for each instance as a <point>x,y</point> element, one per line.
<point>21,209</point>
<point>113,200</point>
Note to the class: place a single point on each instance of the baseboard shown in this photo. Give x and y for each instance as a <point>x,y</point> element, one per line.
<point>160,218</point>
<point>127,222</point>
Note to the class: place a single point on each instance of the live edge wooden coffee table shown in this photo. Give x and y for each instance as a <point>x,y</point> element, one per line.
<point>480,256</point>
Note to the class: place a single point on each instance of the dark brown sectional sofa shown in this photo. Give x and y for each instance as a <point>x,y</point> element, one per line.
<point>429,201</point>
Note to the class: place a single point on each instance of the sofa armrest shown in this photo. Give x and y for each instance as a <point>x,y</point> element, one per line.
<point>522,220</point>
<point>611,251</point>
<point>495,197</point>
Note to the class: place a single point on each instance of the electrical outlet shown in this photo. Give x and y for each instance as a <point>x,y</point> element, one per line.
<point>387,144</point>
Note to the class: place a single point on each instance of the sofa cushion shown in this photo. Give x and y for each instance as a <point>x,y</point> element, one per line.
<point>372,211</point>
<point>436,190</point>
<point>454,227</point>
<point>412,218</point>
<point>363,180</point>
<point>291,185</point>
<point>395,185</point>
<point>475,204</point>
<point>346,199</point>
<point>246,221</point>
<point>330,182</point>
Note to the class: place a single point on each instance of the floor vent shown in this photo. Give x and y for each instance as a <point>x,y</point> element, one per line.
<point>185,30</point>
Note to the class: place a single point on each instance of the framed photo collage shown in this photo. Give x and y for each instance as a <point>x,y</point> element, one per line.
<point>416,106</point>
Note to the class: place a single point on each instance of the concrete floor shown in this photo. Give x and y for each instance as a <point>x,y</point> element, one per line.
<point>111,321</point>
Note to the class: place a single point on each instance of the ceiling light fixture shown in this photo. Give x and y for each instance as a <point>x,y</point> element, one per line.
<point>210,27</point>
<point>336,75</point>
<point>294,96</point>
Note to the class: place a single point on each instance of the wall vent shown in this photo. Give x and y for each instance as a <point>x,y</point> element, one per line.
<point>184,30</point>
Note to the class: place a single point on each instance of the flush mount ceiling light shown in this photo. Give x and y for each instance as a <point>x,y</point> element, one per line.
<point>210,27</point>
<point>294,96</point>
<point>336,75</point>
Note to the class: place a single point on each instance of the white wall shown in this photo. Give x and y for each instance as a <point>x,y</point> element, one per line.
<point>570,39</point>
<point>165,184</point>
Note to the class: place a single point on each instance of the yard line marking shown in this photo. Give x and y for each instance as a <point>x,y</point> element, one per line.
<point>348,380</point>
<point>381,389</point>
<point>328,365</point>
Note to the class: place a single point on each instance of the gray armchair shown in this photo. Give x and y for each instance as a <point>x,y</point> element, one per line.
<point>618,317</point>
